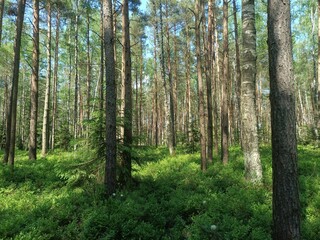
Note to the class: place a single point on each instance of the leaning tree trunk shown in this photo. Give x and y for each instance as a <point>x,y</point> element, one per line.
<point>285,200</point>
<point>34,84</point>
<point>250,141</point>
<point>15,84</point>
<point>200,89</point>
<point>224,88</point>
<point>45,126</point>
<point>111,108</point>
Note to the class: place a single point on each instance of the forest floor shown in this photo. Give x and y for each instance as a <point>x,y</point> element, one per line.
<point>61,197</point>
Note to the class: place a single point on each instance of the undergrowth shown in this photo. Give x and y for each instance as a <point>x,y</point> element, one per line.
<point>61,197</point>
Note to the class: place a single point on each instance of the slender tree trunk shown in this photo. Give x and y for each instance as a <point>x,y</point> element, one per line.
<point>238,73</point>
<point>46,112</point>
<point>76,79</point>
<point>209,77</point>
<point>285,200</point>
<point>188,89</point>
<point>171,89</point>
<point>55,83</point>
<point>224,88</point>
<point>166,90</point>
<point>34,84</point>
<point>250,141</point>
<point>155,77</point>
<point>125,173</point>
<point>200,88</point>
<point>88,107</point>
<point>1,18</point>
<point>216,79</point>
<point>111,108</point>
<point>15,84</point>
<point>141,93</point>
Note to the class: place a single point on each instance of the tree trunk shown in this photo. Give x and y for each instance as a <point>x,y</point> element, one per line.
<point>238,74</point>
<point>34,84</point>
<point>88,107</point>
<point>209,76</point>
<point>172,130</point>
<point>224,88</point>
<point>55,82</point>
<point>76,79</point>
<point>1,18</point>
<point>285,200</point>
<point>200,88</point>
<point>45,126</point>
<point>188,89</point>
<point>250,141</point>
<point>125,173</point>
<point>15,84</point>
<point>111,137</point>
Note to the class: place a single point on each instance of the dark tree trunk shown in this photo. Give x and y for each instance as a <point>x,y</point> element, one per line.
<point>125,173</point>
<point>111,108</point>
<point>15,83</point>
<point>34,84</point>
<point>224,88</point>
<point>285,201</point>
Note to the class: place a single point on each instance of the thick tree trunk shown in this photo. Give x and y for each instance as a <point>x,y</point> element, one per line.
<point>250,141</point>
<point>1,18</point>
<point>111,138</point>
<point>224,88</point>
<point>55,82</point>
<point>46,112</point>
<point>34,84</point>
<point>15,84</point>
<point>200,89</point>
<point>285,201</point>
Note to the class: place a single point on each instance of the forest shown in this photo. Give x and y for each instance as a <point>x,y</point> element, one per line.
<point>160,119</point>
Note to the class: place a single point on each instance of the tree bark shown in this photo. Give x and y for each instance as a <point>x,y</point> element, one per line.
<point>46,112</point>
<point>238,74</point>
<point>111,138</point>
<point>209,76</point>
<point>250,141</point>
<point>76,78</point>
<point>224,88</point>
<point>125,173</point>
<point>285,200</point>
<point>200,88</point>
<point>55,82</point>
<point>34,84</point>
<point>15,84</point>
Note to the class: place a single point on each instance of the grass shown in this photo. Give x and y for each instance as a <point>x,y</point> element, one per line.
<point>58,198</point>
